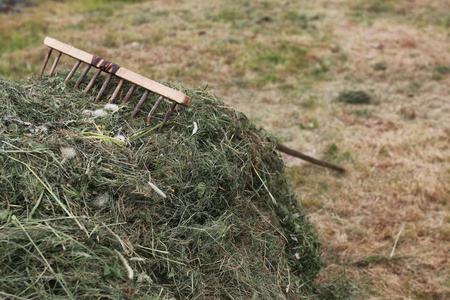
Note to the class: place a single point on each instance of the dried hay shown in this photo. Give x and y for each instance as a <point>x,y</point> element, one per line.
<point>99,205</point>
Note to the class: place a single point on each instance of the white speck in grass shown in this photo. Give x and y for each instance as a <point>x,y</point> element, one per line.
<point>195,128</point>
<point>87,113</point>
<point>143,278</point>
<point>43,128</point>
<point>126,265</point>
<point>76,253</point>
<point>111,107</point>
<point>101,199</point>
<point>157,190</point>
<point>294,238</point>
<point>297,256</point>
<point>67,153</point>
<point>137,259</point>
<point>120,137</point>
<point>99,113</point>
<point>39,129</point>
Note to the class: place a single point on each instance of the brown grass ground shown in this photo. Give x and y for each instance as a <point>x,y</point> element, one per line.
<point>385,225</point>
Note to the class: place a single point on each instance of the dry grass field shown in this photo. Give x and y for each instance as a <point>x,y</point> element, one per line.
<point>385,224</point>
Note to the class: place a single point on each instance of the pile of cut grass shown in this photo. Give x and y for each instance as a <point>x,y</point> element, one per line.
<point>81,215</point>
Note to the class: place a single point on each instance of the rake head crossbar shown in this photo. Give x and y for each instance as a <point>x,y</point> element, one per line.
<point>112,69</point>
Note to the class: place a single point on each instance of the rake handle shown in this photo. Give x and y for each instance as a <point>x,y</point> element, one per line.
<point>310,159</point>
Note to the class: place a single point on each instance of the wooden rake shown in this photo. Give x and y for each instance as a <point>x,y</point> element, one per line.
<point>111,69</point>
<point>149,85</point>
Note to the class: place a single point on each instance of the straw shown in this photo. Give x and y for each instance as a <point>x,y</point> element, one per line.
<point>207,227</point>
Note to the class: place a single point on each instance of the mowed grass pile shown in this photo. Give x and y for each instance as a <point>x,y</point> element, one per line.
<point>79,218</point>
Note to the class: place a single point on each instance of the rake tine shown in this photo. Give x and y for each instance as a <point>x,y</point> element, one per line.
<point>75,67</point>
<point>83,74</point>
<point>166,117</point>
<point>102,90</point>
<point>116,91</point>
<point>128,95</point>
<point>150,114</point>
<point>54,64</point>
<point>44,63</point>
<point>91,83</point>
<point>139,105</point>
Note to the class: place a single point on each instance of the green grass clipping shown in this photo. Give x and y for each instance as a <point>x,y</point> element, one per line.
<point>99,205</point>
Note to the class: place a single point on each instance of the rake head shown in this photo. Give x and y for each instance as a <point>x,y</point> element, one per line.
<point>112,69</point>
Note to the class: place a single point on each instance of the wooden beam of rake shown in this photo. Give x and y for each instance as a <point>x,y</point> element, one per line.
<point>111,69</point>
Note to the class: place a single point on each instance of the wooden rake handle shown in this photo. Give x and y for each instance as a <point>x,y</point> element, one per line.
<point>310,159</point>
<point>119,71</point>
